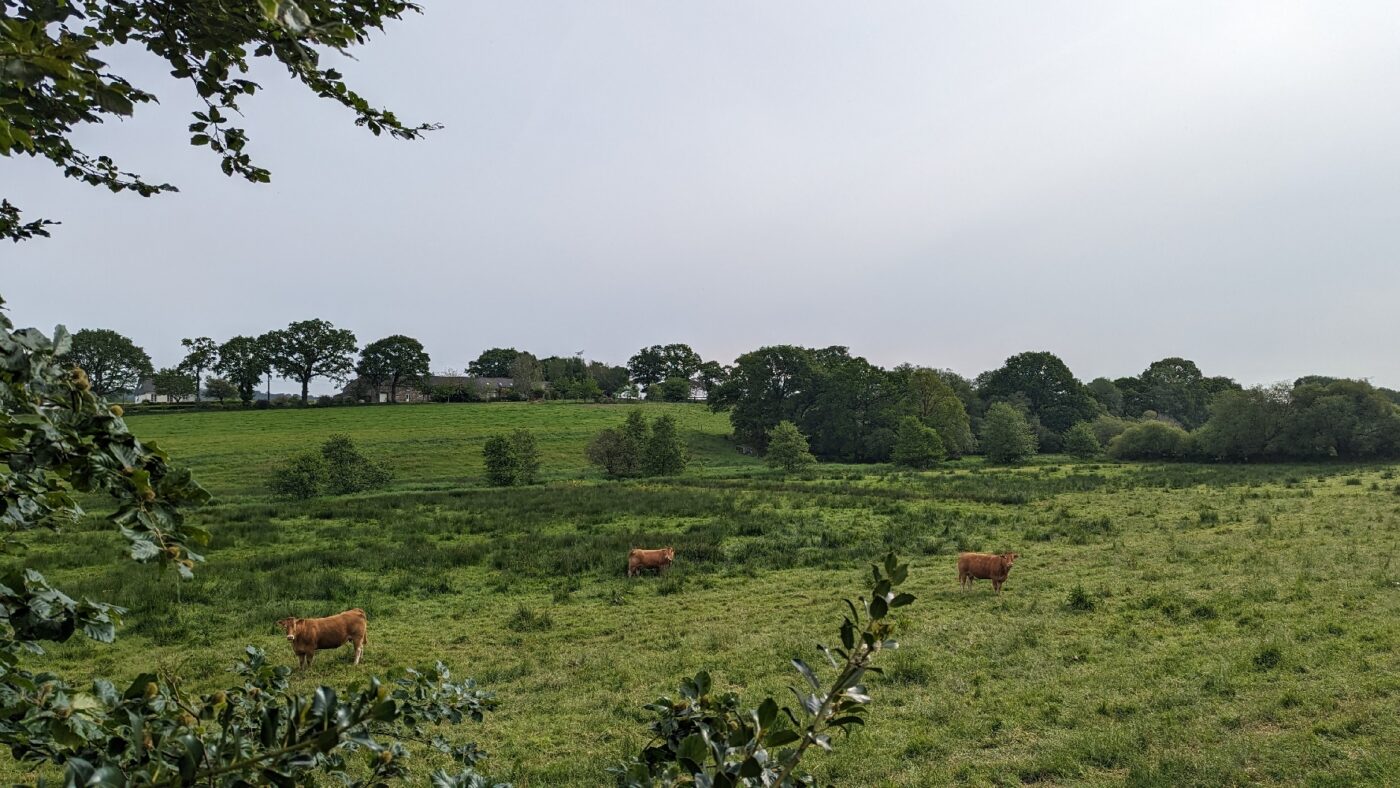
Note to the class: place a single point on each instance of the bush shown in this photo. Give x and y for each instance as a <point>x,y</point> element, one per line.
<point>670,390</point>
<point>302,476</point>
<point>1006,435</point>
<point>338,469</point>
<point>615,453</point>
<point>1081,442</point>
<point>665,453</point>
<point>526,452</point>
<point>917,446</point>
<point>1079,600</point>
<point>1106,428</point>
<point>787,448</point>
<point>499,458</point>
<point>1150,440</point>
<point>348,471</point>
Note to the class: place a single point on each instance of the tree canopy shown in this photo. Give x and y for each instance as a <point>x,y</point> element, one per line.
<point>311,349</point>
<point>493,363</point>
<point>394,359</point>
<point>113,363</point>
<point>201,353</point>
<point>56,81</point>
<point>659,362</point>
<point>1050,390</point>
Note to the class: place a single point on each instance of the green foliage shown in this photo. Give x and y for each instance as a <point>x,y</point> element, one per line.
<point>787,449</point>
<point>1107,394</point>
<point>638,448</point>
<point>847,406</point>
<point>243,360</point>
<point>527,374</point>
<point>1316,418</point>
<point>1174,388</point>
<point>493,363</point>
<point>706,737</point>
<point>1082,442</point>
<point>113,363</point>
<point>1079,600</point>
<point>55,83</point>
<point>664,454</point>
<point>673,389</point>
<point>499,458</point>
<point>1106,428</point>
<point>1150,440</point>
<point>917,446</point>
<point>1006,435</point>
<point>299,477</point>
<point>311,349</point>
<point>936,404</point>
<point>614,452</point>
<point>660,362</point>
<point>201,353</point>
<point>1050,391</point>
<point>394,359</point>
<point>525,452</point>
<point>337,469</point>
<point>220,388</point>
<point>348,471</point>
<point>174,384</point>
<point>511,459</point>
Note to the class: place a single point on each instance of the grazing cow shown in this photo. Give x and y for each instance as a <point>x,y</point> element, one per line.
<point>308,635</point>
<point>984,566</point>
<point>638,559</point>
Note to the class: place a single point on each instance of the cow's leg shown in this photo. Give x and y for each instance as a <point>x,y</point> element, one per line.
<point>359,650</point>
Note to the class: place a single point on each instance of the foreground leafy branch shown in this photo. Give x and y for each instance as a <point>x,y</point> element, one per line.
<point>708,739</point>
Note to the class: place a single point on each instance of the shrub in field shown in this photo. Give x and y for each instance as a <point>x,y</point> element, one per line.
<point>787,448</point>
<point>499,459</point>
<point>615,453</point>
<point>1106,428</point>
<point>1150,440</point>
<point>338,469</point>
<point>708,737</point>
<point>1006,435</point>
<point>1081,442</point>
<point>665,452</point>
<point>917,446</point>
<point>526,451</point>
<point>349,471</point>
<point>511,459</point>
<point>302,476</point>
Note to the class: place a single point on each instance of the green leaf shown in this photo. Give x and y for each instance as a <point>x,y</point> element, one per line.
<point>878,608</point>
<point>692,748</point>
<point>780,737</point>
<point>767,713</point>
<point>807,673</point>
<point>901,600</point>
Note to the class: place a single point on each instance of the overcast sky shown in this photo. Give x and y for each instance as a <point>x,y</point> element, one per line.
<point>940,183</point>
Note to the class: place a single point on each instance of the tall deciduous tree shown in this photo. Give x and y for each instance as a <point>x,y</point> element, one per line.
<point>396,359</point>
<point>312,349</point>
<point>243,360</point>
<point>1051,391</point>
<point>526,373</point>
<point>55,81</point>
<point>936,404</point>
<point>174,384</point>
<point>658,362</point>
<point>201,353</point>
<point>493,363</point>
<point>113,363</point>
<point>220,389</point>
<point>1006,435</point>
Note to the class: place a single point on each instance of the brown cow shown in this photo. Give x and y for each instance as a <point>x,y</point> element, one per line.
<point>638,559</point>
<point>308,635</point>
<point>984,566</point>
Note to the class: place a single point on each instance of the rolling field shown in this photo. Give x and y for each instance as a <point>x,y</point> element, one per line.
<point>1165,625</point>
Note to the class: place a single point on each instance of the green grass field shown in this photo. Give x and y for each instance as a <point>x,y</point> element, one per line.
<point>1166,624</point>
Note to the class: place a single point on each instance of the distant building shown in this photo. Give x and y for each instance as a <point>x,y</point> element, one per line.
<point>146,392</point>
<point>424,389</point>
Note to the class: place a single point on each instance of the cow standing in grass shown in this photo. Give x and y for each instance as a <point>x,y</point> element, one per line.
<point>308,635</point>
<point>984,566</point>
<point>638,559</point>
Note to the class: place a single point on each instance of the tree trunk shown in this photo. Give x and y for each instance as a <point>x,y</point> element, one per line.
<point>393,390</point>
<point>199,375</point>
<point>305,382</point>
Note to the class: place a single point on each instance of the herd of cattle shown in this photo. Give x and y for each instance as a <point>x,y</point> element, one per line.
<point>309,635</point>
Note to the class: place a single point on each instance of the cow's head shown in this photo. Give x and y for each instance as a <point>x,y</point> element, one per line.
<point>289,626</point>
<point>670,554</point>
<point>1007,559</point>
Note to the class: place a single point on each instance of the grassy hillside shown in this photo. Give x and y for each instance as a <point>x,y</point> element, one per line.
<point>1166,624</point>
<point>428,445</point>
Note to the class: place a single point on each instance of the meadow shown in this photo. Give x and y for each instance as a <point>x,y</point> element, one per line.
<point>1166,624</point>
